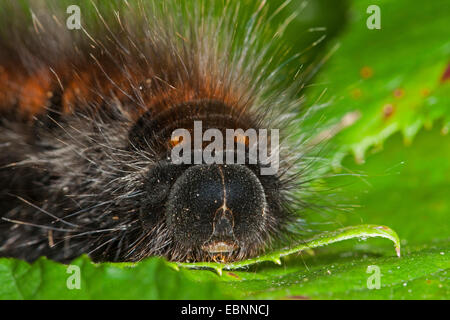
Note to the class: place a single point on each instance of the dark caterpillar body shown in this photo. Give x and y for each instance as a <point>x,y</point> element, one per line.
<point>85,135</point>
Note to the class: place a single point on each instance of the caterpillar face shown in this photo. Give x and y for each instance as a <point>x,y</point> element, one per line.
<point>90,142</point>
<point>217,210</point>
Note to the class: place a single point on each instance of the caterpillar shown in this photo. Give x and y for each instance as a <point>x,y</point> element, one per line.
<point>87,122</point>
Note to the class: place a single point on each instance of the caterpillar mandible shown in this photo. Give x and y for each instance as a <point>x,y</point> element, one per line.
<point>87,122</point>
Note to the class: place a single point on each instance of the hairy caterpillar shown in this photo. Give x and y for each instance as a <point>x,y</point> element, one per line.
<point>87,122</point>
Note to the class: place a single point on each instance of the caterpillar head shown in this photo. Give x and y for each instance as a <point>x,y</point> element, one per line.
<point>213,211</point>
<point>216,211</point>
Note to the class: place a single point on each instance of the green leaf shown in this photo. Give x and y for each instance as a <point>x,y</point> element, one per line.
<point>421,273</point>
<point>403,187</point>
<point>393,76</point>
<point>361,231</point>
<point>150,279</point>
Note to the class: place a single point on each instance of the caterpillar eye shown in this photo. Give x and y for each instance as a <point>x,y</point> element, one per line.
<point>175,141</point>
<point>240,138</point>
<point>217,209</point>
